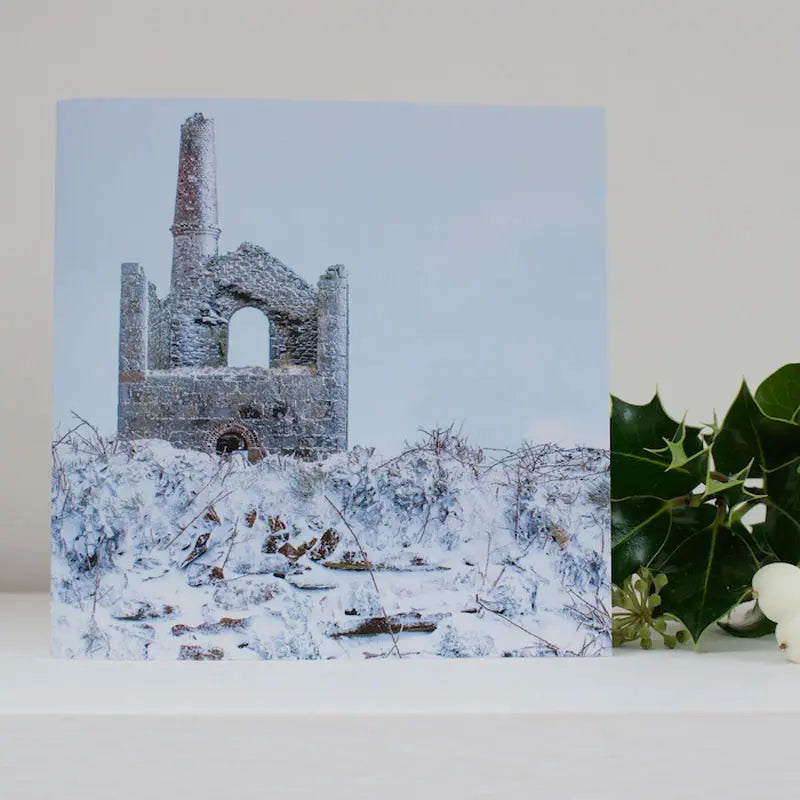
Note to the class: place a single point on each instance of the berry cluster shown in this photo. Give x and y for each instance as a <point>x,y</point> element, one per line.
<point>634,617</point>
<point>776,588</point>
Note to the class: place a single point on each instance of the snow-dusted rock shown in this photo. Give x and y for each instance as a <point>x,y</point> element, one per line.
<point>246,593</point>
<point>203,574</point>
<point>133,610</point>
<point>193,652</point>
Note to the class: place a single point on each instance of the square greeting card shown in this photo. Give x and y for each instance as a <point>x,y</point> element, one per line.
<point>330,381</point>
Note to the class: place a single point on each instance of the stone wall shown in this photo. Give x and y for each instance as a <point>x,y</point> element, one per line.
<point>248,277</point>
<point>157,330</point>
<point>288,410</point>
<point>133,332</point>
<point>333,357</point>
<point>298,406</point>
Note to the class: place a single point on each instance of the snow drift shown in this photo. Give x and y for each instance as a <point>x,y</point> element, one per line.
<point>444,550</point>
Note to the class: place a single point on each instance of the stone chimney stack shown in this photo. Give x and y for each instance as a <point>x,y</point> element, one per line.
<point>195,229</point>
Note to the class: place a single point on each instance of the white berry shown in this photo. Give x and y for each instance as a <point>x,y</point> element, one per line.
<point>777,589</point>
<point>787,633</point>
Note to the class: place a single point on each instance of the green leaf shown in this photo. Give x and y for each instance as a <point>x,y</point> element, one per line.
<point>639,528</point>
<point>709,572</point>
<point>698,539</point>
<point>760,531</point>
<point>750,625</point>
<point>782,525</point>
<point>747,433</point>
<point>732,489</point>
<point>645,531</point>
<point>640,463</point>
<point>674,449</point>
<point>685,522</point>
<point>778,396</point>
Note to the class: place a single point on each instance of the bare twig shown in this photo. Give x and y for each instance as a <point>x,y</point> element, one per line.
<point>68,434</point>
<point>232,539</point>
<point>100,443</point>
<point>488,553</point>
<point>424,527</point>
<point>205,486</point>
<point>216,499</point>
<point>99,542</point>
<point>497,579</point>
<point>395,643</point>
<point>549,645</point>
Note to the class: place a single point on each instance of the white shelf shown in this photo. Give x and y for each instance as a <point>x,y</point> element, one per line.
<point>589,729</point>
<point>726,675</point>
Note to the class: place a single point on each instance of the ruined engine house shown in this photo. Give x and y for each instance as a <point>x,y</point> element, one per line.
<point>174,379</point>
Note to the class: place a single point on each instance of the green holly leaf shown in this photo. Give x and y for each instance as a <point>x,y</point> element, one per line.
<point>641,465</point>
<point>781,529</point>
<point>778,396</point>
<point>645,531</point>
<point>709,572</point>
<point>639,528</point>
<point>685,522</point>
<point>675,452</point>
<point>731,488</point>
<point>697,539</point>
<point>747,433</point>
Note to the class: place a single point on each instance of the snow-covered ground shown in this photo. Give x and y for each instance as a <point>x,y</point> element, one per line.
<point>444,550</point>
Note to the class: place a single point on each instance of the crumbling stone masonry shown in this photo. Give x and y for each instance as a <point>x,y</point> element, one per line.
<point>174,382</point>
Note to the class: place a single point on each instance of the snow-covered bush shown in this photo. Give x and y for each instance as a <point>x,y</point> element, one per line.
<point>463,644</point>
<point>444,549</point>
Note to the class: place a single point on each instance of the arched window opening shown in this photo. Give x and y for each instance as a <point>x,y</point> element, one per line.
<point>248,339</point>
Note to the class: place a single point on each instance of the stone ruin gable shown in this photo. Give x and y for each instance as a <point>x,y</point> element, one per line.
<point>249,277</point>
<point>286,410</point>
<point>297,406</point>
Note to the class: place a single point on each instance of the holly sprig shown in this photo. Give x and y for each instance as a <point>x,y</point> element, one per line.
<point>680,502</point>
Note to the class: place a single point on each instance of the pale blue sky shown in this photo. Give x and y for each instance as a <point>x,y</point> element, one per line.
<point>474,238</point>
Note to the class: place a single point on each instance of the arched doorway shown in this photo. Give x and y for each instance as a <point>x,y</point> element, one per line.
<point>232,437</point>
<point>229,442</point>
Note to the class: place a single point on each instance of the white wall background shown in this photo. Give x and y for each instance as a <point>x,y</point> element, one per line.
<point>703,133</point>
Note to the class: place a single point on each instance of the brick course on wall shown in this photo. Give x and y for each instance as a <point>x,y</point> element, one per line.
<point>173,380</point>
<point>288,411</point>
